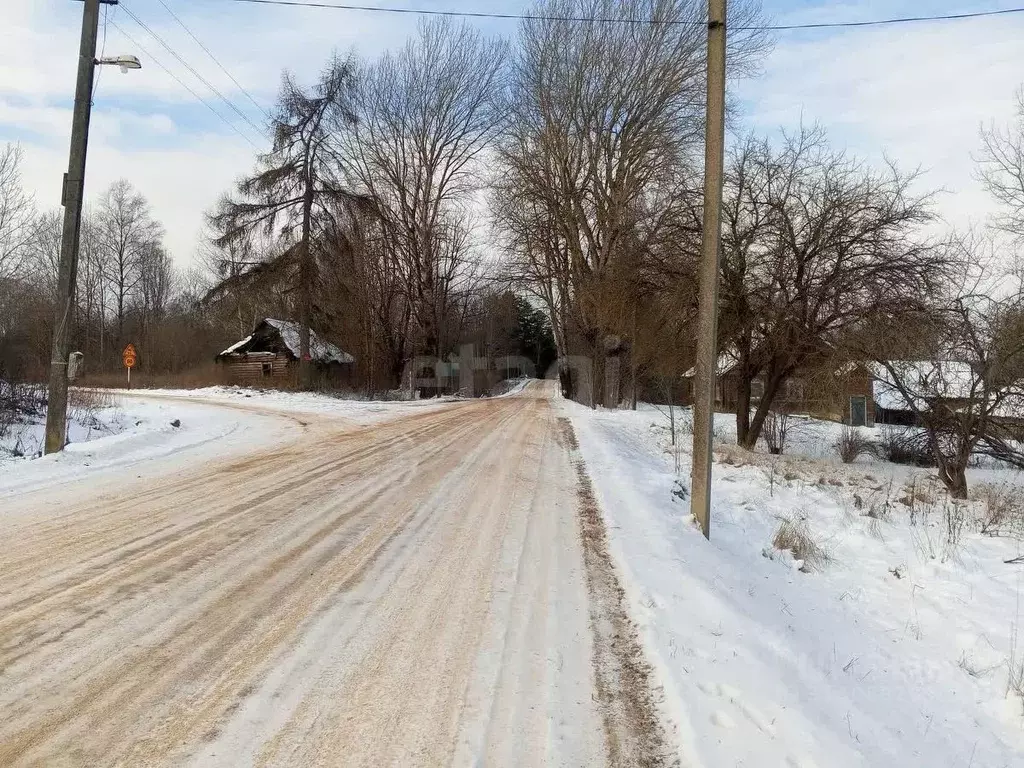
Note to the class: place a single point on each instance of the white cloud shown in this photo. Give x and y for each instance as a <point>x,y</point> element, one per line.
<point>916,93</point>
<point>146,127</point>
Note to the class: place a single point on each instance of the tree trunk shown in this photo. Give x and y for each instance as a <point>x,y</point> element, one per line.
<point>305,288</point>
<point>632,383</point>
<point>743,409</point>
<point>596,376</point>
<point>953,471</point>
<point>773,382</point>
<point>566,379</point>
<point>954,477</point>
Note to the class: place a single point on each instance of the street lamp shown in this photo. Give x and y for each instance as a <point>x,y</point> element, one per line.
<point>71,199</point>
<point>124,62</point>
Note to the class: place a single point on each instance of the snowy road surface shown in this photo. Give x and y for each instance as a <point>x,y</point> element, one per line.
<point>408,593</point>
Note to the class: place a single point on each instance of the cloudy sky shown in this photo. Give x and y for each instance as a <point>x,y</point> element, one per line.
<point>915,93</point>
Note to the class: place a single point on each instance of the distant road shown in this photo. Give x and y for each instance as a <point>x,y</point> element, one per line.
<point>414,593</point>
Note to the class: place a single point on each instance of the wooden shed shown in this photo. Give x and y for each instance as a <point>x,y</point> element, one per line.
<point>270,357</point>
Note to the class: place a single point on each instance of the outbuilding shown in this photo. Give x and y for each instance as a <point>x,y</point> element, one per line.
<point>269,356</point>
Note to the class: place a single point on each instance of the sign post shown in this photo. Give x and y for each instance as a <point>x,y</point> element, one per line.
<point>129,357</point>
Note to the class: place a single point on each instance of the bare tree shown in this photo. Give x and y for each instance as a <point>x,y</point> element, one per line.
<point>126,232</point>
<point>42,252</point>
<point>156,283</point>
<point>16,213</point>
<point>816,245</point>
<point>599,161</point>
<point>968,395</point>
<point>427,113</point>
<point>93,290</point>
<point>297,187</point>
<point>1001,169</point>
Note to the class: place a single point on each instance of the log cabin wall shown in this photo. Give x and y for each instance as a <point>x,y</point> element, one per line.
<point>258,369</point>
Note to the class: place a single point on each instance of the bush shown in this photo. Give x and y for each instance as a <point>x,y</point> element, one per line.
<point>903,445</point>
<point>795,537</point>
<point>19,402</point>
<point>775,431</point>
<point>851,445</point>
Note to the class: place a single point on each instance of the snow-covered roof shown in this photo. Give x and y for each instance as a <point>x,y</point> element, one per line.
<point>923,380</point>
<point>237,345</point>
<point>727,360</point>
<point>318,348</point>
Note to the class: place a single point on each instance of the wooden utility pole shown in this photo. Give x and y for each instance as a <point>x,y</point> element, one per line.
<point>74,185</point>
<point>707,304</point>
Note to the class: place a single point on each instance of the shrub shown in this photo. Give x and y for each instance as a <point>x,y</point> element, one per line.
<point>775,430</point>
<point>19,402</point>
<point>851,445</point>
<point>902,445</point>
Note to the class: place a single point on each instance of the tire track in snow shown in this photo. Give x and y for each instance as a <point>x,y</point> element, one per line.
<point>413,593</point>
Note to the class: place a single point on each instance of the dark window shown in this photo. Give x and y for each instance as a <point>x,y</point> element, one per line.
<point>268,369</point>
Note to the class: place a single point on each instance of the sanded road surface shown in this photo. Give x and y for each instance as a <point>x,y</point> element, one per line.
<point>412,593</point>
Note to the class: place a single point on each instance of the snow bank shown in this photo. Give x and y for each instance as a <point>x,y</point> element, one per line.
<point>894,652</point>
<point>351,408</point>
<point>212,423</point>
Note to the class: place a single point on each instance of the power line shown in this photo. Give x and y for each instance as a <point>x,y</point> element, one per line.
<point>103,51</point>
<point>192,69</point>
<point>150,57</point>
<point>903,20</point>
<point>533,17</point>
<point>215,60</point>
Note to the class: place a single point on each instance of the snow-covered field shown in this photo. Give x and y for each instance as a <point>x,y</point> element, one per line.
<point>897,644</point>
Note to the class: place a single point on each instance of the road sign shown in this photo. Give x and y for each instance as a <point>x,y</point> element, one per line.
<point>129,356</point>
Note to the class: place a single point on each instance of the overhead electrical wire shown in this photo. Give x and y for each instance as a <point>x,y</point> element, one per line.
<point>475,15</point>
<point>150,57</point>
<point>103,51</point>
<point>214,58</point>
<point>259,130</point>
<point>541,17</point>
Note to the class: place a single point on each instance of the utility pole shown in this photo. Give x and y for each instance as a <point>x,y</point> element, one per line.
<point>71,199</point>
<point>707,303</point>
<point>74,184</point>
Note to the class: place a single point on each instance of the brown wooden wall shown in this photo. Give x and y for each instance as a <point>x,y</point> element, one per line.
<point>249,370</point>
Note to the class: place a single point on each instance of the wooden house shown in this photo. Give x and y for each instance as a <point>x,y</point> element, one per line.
<point>845,394</point>
<point>270,357</point>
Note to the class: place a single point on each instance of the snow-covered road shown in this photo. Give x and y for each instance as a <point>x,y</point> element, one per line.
<point>408,593</point>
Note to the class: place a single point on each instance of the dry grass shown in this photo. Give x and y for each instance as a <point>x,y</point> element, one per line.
<point>973,668</point>
<point>1015,666</point>
<point>195,378</point>
<point>90,399</point>
<point>794,536</point>
<point>1002,510</point>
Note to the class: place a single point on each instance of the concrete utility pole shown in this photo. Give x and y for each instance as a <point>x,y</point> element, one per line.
<point>707,303</point>
<point>71,199</point>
